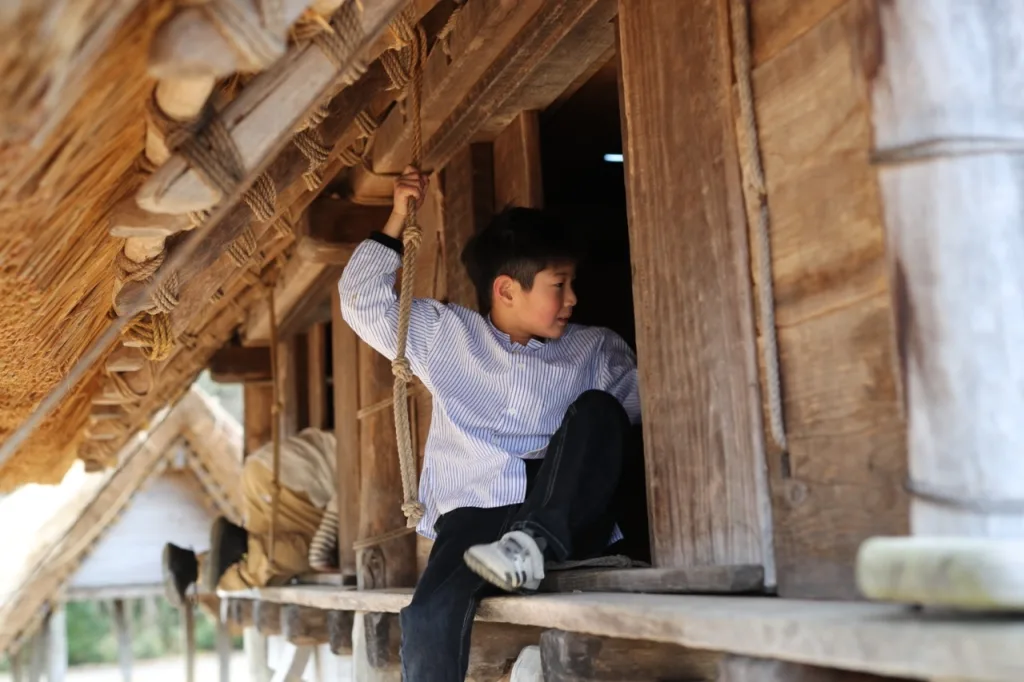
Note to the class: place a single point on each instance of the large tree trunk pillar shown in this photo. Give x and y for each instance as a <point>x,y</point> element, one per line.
<point>947,99</point>
<point>706,475</point>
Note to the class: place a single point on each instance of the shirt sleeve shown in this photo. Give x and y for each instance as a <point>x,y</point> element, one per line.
<point>617,374</point>
<point>369,305</point>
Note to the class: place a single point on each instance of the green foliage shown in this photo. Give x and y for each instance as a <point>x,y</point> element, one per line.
<point>88,626</point>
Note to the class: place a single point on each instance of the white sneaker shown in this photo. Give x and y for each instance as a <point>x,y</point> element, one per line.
<point>513,563</point>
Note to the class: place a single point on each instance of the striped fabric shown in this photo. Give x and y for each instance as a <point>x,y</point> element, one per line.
<point>496,402</point>
<point>323,548</point>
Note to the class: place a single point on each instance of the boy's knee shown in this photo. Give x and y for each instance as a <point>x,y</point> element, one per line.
<point>602,405</point>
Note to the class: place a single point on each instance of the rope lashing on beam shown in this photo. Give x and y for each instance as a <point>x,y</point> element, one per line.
<point>756,197</point>
<point>258,42</point>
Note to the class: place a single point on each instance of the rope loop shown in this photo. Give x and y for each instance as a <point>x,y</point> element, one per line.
<point>402,370</point>
<point>257,41</point>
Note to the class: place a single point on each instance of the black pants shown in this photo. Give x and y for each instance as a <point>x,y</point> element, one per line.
<point>568,503</point>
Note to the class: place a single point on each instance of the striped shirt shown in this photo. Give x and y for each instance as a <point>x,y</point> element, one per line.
<point>495,402</point>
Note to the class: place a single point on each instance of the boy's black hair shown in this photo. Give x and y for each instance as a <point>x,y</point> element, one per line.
<point>518,242</point>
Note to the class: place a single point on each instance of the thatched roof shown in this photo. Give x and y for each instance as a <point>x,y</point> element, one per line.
<point>84,507</point>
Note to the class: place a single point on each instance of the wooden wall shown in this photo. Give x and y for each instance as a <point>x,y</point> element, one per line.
<point>842,479</point>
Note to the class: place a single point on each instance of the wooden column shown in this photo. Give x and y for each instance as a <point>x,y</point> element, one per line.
<point>223,651</point>
<point>575,657</point>
<point>257,403</point>
<point>345,367</point>
<point>339,630</point>
<point>375,648</point>
<point>946,101</point>
<point>743,669</point>
<point>17,659</point>
<point>304,626</point>
<point>255,646</point>
<point>391,563</point>
<point>57,644</point>
<point>517,165</point>
<point>122,625</point>
<point>316,370</point>
<point>469,204</point>
<point>37,661</point>
<point>708,496</point>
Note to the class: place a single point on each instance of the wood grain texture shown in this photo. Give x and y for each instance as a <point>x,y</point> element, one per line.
<point>692,289</point>
<point>339,628</point>
<point>842,480</point>
<point>316,365</point>
<point>483,30</point>
<point>345,366</point>
<point>945,101</point>
<point>517,164</point>
<point>575,657</point>
<point>304,626</point>
<point>775,24</point>
<point>257,405</point>
<point>267,617</point>
<point>393,562</point>
<point>872,638</point>
<point>469,205</point>
<point>744,669</point>
<point>236,364</point>
<point>691,580</point>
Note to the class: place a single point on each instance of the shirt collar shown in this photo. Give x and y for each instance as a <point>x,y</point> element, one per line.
<point>507,342</point>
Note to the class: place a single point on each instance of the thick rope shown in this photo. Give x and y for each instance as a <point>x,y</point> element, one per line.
<point>756,196</point>
<point>316,152</point>
<point>277,407</point>
<point>153,333</point>
<point>415,46</point>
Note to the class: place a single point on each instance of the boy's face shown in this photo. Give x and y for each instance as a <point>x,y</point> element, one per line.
<point>544,310</point>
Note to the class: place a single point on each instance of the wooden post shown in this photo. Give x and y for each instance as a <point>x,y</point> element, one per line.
<point>223,650</point>
<point>316,369</point>
<point>743,669</point>
<point>303,625</point>
<point>124,639</point>
<point>257,404</point>
<point>575,657</point>
<point>17,659</point>
<point>944,100</point>
<point>708,495</point>
<point>469,204</point>
<point>345,367</point>
<point>267,616</point>
<point>339,629</point>
<point>37,663</point>
<point>255,646</point>
<point>517,165</point>
<point>375,648</point>
<point>288,386</point>
<point>57,644</point>
<point>391,563</point>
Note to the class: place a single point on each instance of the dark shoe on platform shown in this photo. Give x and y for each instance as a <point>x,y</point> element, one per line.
<point>180,569</point>
<point>228,545</point>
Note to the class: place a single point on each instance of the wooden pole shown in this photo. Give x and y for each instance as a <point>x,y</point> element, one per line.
<point>57,644</point>
<point>708,497</point>
<point>37,663</point>
<point>124,639</point>
<point>316,384</point>
<point>255,646</point>
<point>223,650</point>
<point>345,367</point>
<point>257,404</point>
<point>946,102</point>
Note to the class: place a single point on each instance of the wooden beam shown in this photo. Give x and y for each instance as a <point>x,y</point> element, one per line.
<point>345,367</point>
<point>237,364</point>
<point>239,613</point>
<point>951,190</point>
<point>692,290</point>
<point>483,30</point>
<point>691,580</point>
<point>57,645</point>
<point>874,638</point>
<point>333,229</point>
<point>339,629</point>
<point>545,57</point>
<point>316,365</point>
<point>209,269</point>
<point>469,205</point>
<point>303,626</point>
<point>494,648</point>
<point>124,639</point>
<point>267,617</point>
<point>257,405</point>
<point>744,669</point>
<point>391,563</point>
<point>575,657</point>
<point>517,164</point>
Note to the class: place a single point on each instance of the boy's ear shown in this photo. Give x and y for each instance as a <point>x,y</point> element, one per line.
<point>503,289</point>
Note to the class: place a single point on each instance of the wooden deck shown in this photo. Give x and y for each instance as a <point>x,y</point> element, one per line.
<point>873,638</point>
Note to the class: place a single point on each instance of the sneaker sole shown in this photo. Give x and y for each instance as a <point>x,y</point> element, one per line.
<point>499,580</point>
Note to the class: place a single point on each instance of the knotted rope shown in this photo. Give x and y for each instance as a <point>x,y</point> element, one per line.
<point>756,197</point>
<point>259,41</point>
<point>415,47</point>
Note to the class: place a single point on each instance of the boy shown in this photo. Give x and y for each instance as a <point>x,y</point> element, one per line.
<point>529,424</point>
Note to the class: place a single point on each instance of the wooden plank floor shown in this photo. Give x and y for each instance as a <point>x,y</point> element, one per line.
<point>874,638</point>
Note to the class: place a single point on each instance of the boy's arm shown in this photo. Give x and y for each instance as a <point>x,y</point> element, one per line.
<point>617,374</point>
<point>367,287</point>
<point>369,303</point>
